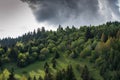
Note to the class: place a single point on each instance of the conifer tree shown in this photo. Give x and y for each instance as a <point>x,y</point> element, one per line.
<point>40,78</point>
<point>46,65</point>
<point>59,75</point>
<point>11,76</point>
<point>53,63</point>
<point>85,73</point>
<point>69,73</point>
<point>48,76</point>
<point>103,37</point>
<point>29,78</point>
<point>57,55</point>
<point>34,78</point>
<point>88,34</point>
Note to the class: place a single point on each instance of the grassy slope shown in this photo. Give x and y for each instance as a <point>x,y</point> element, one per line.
<point>36,68</point>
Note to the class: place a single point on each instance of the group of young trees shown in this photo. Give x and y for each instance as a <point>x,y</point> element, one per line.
<point>64,74</point>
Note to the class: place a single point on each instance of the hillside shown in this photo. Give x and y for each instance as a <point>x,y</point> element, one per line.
<point>84,53</point>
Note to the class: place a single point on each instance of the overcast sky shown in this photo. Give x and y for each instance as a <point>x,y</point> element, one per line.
<point>17,17</point>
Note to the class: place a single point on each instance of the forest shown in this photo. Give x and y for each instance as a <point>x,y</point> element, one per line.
<point>70,53</point>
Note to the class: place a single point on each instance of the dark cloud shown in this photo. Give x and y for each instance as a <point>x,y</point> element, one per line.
<point>73,11</point>
<point>114,7</point>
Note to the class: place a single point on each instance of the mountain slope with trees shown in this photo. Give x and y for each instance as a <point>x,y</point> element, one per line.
<point>85,53</point>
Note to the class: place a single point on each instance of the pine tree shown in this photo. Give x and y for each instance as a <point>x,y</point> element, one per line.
<point>118,34</point>
<point>57,55</point>
<point>103,37</point>
<point>59,76</point>
<point>88,34</point>
<point>53,63</point>
<point>46,65</point>
<point>48,76</point>
<point>29,78</point>
<point>43,29</point>
<point>0,63</point>
<point>85,73</point>
<point>69,73</point>
<point>47,70</point>
<point>11,76</point>
<point>40,78</point>
<point>34,78</point>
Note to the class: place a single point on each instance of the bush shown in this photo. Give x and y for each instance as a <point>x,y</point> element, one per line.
<point>94,56</point>
<point>42,57</point>
<point>86,52</point>
<point>73,55</point>
<point>98,61</point>
<point>44,51</point>
<point>79,68</point>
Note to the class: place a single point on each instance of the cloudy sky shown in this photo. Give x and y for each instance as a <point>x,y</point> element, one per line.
<point>18,17</point>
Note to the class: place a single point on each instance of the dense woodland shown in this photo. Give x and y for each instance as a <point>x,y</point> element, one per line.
<point>98,46</point>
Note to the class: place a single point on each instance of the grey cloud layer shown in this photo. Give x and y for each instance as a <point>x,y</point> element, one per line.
<point>74,11</point>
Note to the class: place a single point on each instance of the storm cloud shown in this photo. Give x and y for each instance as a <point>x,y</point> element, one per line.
<point>75,12</point>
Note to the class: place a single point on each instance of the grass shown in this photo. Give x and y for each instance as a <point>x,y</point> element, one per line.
<point>36,69</point>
